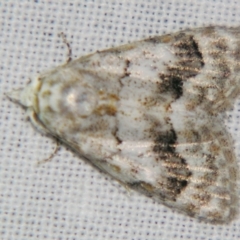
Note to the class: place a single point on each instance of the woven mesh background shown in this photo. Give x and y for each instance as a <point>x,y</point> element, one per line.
<point>67,198</point>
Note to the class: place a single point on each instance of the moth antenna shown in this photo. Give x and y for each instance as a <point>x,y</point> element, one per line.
<point>65,41</point>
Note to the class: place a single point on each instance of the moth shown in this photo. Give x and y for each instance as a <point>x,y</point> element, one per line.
<point>150,114</point>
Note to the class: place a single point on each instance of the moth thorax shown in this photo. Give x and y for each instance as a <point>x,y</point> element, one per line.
<point>78,99</point>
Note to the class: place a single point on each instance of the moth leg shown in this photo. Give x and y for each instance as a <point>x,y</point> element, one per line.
<point>64,39</point>
<point>37,124</point>
<point>51,155</point>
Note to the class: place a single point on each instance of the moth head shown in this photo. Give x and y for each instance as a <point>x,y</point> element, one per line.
<point>25,96</point>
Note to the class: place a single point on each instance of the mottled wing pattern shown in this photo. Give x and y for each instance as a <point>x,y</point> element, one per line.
<point>148,114</point>
<point>172,87</point>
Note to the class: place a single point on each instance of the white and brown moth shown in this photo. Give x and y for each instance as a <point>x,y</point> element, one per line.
<point>150,113</point>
